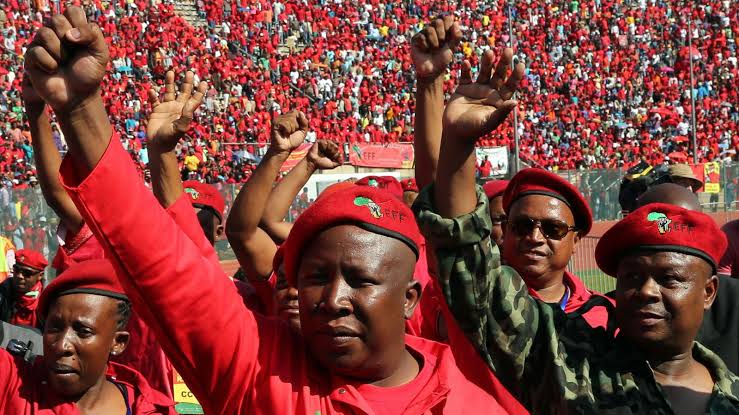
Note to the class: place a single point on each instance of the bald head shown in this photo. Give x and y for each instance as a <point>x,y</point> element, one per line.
<point>671,194</point>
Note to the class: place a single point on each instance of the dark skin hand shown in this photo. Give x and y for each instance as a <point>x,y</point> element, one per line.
<point>540,261</point>
<point>475,109</point>
<point>356,291</point>
<point>71,86</point>
<point>168,122</point>
<point>661,298</point>
<point>323,155</point>
<point>432,50</point>
<point>80,333</point>
<point>253,247</point>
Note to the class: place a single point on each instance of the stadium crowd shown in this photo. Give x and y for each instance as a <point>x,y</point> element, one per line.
<point>606,82</point>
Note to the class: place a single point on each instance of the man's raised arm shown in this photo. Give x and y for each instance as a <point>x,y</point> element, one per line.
<point>432,50</point>
<point>254,249</point>
<point>323,155</point>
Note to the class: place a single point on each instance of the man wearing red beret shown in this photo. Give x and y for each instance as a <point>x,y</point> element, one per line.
<point>494,191</point>
<point>19,293</point>
<point>546,217</point>
<point>664,259</point>
<point>85,312</point>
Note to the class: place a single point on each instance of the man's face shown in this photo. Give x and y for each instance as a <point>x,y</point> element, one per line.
<point>25,278</point>
<point>355,292</point>
<point>497,214</point>
<point>286,299</point>
<point>210,224</point>
<point>661,297</point>
<point>537,258</point>
<point>80,333</point>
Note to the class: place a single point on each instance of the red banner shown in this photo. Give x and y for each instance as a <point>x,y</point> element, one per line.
<point>389,156</point>
<point>295,157</point>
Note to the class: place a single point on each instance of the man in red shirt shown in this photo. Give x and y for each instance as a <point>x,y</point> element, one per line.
<point>353,354</point>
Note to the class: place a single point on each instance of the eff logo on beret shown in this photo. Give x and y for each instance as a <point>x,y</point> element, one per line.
<point>192,192</point>
<point>371,205</point>
<point>666,225</point>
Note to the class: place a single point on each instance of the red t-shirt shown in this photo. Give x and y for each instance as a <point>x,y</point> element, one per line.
<point>394,401</point>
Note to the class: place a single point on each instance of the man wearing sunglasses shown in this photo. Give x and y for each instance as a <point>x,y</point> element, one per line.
<point>19,294</point>
<point>547,216</point>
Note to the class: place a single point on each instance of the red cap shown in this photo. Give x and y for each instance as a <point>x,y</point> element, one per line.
<point>661,227</point>
<point>409,185</point>
<point>369,208</point>
<point>387,183</point>
<point>31,259</point>
<point>541,182</point>
<point>96,276</point>
<point>205,195</point>
<point>335,187</point>
<point>495,188</point>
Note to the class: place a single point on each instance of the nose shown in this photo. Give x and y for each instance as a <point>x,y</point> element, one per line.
<point>61,346</point>
<point>336,299</point>
<point>649,290</point>
<point>292,293</point>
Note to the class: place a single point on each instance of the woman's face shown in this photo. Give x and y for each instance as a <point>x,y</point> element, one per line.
<point>80,333</point>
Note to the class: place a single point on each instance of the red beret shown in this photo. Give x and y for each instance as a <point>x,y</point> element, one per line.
<point>387,183</point>
<point>495,188</point>
<point>661,227</point>
<point>409,185</point>
<point>369,208</point>
<point>30,259</point>
<point>541,182</point>
<point>96,276</point>
<point>205,195</point>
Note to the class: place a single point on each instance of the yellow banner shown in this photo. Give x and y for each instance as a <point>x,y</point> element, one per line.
<point>712,177</point>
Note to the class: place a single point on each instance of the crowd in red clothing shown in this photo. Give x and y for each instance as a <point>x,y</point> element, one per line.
<point>607,83</point>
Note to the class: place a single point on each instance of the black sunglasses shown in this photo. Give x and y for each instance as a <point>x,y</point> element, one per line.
<point>24,271</point>
<point>550,228</point>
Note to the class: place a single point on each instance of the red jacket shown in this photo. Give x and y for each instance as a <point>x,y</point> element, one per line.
<point>24,391</point>
<point>235,361</point>
<point>579,295</point>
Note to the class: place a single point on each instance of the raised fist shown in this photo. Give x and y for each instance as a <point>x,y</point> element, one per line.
<point>325,155</point>
<point>432,49</point>
<point>288,131</point>
<point>170,119</point>
<point>478,108</point>
<point>67,60</point>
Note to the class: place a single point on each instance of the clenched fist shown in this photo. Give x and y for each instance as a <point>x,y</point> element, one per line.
<point>324,155</point>
<point>66,60</point>
<point>288,131</point>
<point>432,49</point>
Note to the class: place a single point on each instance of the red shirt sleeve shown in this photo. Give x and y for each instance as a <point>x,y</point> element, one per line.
<point>184,216</point>
<point>210,337</point>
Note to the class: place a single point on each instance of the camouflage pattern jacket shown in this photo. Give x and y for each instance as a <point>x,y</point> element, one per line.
<point>555,363</point>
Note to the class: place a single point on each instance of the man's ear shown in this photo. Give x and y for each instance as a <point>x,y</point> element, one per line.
<point>412,297</point>
<point>709,293</point>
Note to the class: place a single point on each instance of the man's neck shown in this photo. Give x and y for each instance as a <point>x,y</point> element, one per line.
<point>673,368</point>
<point>550,287</point>
<point>408,370</point>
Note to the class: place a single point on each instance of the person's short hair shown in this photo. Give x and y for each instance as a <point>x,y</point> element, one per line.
<point>124,314</point>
